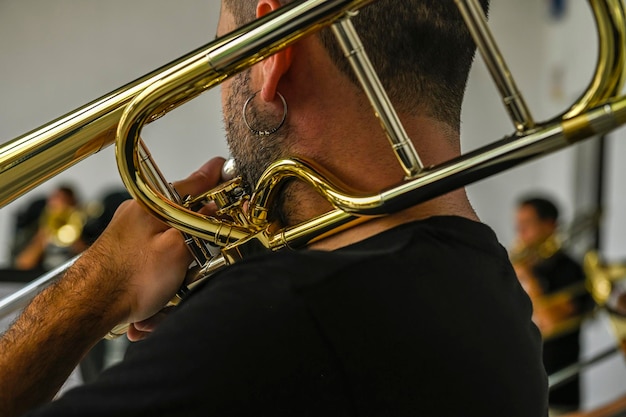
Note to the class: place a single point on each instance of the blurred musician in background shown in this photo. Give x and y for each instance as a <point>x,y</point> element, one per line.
<point>58,236</point>
<point>555,283</point>
<point>414,313</point>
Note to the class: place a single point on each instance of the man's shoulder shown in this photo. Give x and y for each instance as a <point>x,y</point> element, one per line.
<point>357,318</point>
<point>431,241</point>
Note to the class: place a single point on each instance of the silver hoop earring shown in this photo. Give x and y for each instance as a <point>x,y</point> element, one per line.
<point>264,132</point>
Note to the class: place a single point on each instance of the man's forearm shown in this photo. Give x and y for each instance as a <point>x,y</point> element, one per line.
<point>128,275</point>
<point>44,345</point>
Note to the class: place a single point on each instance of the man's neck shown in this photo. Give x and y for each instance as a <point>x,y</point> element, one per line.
<point>351,146</point>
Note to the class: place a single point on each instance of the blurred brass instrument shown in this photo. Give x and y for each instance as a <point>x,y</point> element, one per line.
<point>524,259</point>
<point>606,283</point>
<point>64,227</point>
<point>532,254</point>
<point>119,116</point>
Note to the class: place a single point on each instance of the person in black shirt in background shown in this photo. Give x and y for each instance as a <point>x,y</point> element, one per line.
<point>555,284</point>
<point>414,313</point>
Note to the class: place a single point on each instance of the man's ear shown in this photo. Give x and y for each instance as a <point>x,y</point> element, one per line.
<point>276,65</point>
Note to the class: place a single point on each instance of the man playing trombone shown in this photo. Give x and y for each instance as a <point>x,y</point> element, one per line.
<point>415,313</point>
<point>555,283</point>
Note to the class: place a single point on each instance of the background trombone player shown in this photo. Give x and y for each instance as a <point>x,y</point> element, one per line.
<point>556,285</point>
<point>395,316</point>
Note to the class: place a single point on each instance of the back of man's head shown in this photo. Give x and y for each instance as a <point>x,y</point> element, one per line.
<point>421,50</point>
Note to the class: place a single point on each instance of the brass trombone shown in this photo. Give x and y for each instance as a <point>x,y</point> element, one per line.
<point>119,116</point>
<point>606,283</point>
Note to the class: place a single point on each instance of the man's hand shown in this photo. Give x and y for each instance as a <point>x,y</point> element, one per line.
<point>147,259</point>
<point>127,275</point>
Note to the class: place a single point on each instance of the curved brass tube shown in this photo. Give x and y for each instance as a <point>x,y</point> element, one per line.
<point>607,285</point>
<point>579,122</point>
<point>250,44</point>
<point>37,156</point>
<point>609,74</point>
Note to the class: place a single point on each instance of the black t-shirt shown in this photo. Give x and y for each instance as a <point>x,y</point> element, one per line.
<point>427,319</point>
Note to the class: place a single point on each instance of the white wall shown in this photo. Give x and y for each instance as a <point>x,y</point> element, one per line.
<point>57,55</point>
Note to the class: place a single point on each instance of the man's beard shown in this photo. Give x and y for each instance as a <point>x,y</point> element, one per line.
<point>252,153</point>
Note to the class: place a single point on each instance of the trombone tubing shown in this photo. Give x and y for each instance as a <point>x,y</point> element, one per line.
<point>35,157</point>
<point>22,297</point>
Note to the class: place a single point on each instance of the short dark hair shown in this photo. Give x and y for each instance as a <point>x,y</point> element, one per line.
<point>421,50</point>
<point>69,192</point>
<point>546,210</point>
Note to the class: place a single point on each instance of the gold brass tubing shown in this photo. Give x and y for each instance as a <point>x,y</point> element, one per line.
<point>492,158</point>
<point>157,179</point>
<point>37,156</point>
<point>601,277</point>
<point>132,174</point>
<point>504,153</point>
<point>322,182</point>
<point>213,265</point>
<point>434,182</point>
<point>599,283</point>
<point>514,103</point>
<point>596,121</point>
<point>437,180</point>
<point>277,30</point>
<point>229,55</point>
<point>315,229</point>
<point>500,156</point>
<point>450,175</point>
<point>609,73</point>
<point>390,122</point>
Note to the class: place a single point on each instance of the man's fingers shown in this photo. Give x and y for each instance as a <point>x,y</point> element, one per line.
<point>140,330</point>
<point>135,335</point>
<point>205,178</point>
